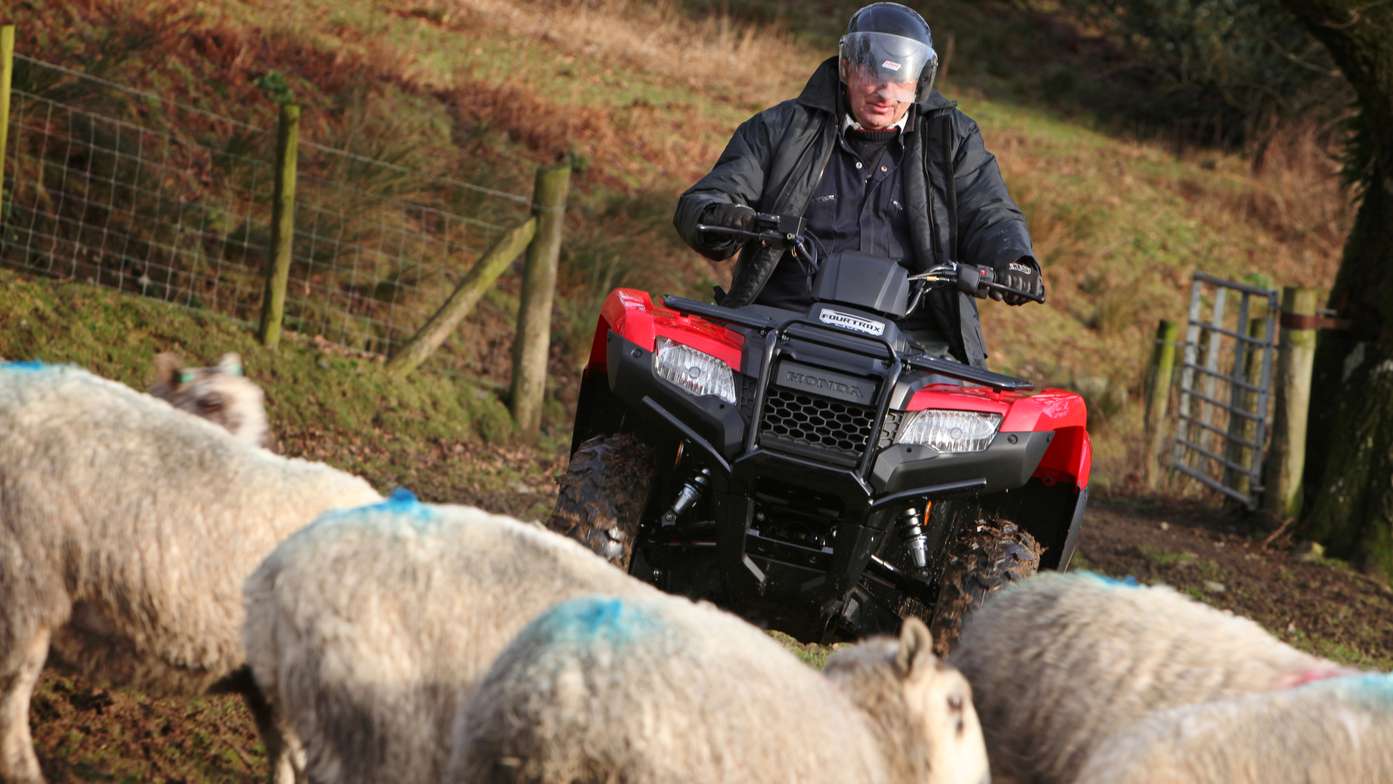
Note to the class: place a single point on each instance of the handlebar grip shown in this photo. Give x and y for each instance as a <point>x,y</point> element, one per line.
<point>975,280</point>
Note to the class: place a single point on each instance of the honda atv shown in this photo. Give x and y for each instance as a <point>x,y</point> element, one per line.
<point>816,472</point>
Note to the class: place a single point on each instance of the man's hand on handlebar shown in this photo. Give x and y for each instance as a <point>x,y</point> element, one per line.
<point>729,215</point>
<point>1022,275</point>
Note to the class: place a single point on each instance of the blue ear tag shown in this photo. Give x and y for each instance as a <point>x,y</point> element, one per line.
<point>235,370</point>
<point>185,376</point>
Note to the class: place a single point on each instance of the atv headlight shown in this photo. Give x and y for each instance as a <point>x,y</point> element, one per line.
<point>695,371</point>
<point>949,431</point>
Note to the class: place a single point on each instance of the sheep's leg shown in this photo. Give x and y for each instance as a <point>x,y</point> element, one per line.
<point>283,753</point>
<point>18,674</point>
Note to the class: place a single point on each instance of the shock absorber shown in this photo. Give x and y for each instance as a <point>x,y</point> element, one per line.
<point>911,528</point>
<point>687,497</point>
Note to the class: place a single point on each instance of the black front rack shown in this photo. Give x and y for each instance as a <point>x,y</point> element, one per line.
<point>944,367</point>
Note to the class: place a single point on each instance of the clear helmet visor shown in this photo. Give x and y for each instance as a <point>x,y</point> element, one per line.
<point>886,63</point>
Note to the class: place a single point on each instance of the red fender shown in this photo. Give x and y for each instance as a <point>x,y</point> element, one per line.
<point>1070,455</point>
<point>631,314</point>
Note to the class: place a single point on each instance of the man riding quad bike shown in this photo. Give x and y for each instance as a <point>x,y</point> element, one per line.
<point>824,451</point>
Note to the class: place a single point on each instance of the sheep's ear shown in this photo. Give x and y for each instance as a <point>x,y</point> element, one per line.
<point>166,368</point>
<point>230,364</point>
<point>915,658</point>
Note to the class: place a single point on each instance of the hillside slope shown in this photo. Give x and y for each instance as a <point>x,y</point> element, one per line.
<point>642,96</point>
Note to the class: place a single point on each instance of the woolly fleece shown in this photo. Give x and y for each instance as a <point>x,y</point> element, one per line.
<point>1333,730</point>
<point>1060,660</point>
<point>126,530</point>
<point>661,689</point>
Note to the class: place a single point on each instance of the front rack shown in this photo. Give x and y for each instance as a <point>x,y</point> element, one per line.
<point>944,367</point>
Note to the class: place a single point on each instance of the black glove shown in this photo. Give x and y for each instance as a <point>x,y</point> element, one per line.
<point>1022,274</point>
<point>730,215</point>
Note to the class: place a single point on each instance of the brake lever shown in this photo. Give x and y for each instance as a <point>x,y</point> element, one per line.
<point>730,231</point>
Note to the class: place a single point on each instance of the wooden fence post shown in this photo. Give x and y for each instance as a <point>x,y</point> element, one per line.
<point>7,69</point>
<point>530,342</point>
<point>1295,359</point>
<point>1158,399</point>
<point>466,295</point>
<point>282,225</point>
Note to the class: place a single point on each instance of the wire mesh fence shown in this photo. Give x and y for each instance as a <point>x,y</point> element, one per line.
<point>114,186</point>
<point>378,248</point>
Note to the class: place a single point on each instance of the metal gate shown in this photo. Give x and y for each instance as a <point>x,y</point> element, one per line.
<point>1225,387</point>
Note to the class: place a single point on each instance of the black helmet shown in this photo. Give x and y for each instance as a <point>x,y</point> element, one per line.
<point>890,43</point>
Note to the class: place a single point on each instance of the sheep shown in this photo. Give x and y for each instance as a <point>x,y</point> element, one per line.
<point>660,689</point>
<point>365,627</point>
<point>1334,730</point>
<point>126,530</point>
<point>220,394</point>
<point>1059,660</point>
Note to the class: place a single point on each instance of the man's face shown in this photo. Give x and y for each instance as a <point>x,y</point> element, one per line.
<point>877,103</point>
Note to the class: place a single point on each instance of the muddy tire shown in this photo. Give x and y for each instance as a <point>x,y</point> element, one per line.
<point>603,494</point>
<point>983,557</point>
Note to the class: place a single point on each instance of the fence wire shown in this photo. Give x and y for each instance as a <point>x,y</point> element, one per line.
<point>103,185</point>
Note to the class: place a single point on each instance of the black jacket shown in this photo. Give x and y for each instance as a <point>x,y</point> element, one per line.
<point>776,159</point>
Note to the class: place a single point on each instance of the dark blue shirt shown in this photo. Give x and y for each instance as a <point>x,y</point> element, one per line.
<point>858,205</point>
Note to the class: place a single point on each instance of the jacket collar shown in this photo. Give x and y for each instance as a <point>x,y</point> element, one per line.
<point>824,92</point>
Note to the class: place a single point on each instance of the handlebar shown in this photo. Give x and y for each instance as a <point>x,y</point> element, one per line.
<point>783,231</point>
<point>970,279</point>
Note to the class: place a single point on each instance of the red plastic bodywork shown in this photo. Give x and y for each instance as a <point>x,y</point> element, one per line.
<point>633,315</point>
<point>1069,457</point>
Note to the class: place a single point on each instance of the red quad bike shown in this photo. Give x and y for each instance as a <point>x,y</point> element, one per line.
<point>815,471</point>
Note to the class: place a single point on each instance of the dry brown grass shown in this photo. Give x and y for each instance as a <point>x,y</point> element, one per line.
<point>655,37</point>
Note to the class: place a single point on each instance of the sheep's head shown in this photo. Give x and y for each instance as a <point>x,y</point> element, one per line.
<point>220,394</point>
<point>920,707</point>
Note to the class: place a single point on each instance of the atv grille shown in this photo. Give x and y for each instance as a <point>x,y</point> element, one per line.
<point>793,419</point>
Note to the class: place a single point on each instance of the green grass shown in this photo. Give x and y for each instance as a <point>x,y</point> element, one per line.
<point>1167,558</point>
<point>371,421</point>
<point>811,654</point>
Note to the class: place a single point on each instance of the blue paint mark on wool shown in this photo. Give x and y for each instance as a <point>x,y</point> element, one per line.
<point>402,497</point>
<point>1126,582</point>
<point>590,620</point>
<point>1374,687</point>
<point>401,503</point>
<point>24,366</point>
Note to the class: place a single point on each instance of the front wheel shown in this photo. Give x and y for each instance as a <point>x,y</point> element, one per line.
<point>603,494</point>
<point>982,558</point>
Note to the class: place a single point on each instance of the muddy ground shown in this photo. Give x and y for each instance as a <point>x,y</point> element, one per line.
<point>85,733</point>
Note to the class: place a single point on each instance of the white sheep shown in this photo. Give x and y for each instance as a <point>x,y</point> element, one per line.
<point>1060,660</point>
<point>126,530</point>
<point>364,628</point>
<point>220,394</point>
<point>649,690</point>
<point>1336,730</point>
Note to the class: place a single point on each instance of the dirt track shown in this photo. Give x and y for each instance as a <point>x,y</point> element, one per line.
<point>90,734</point>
